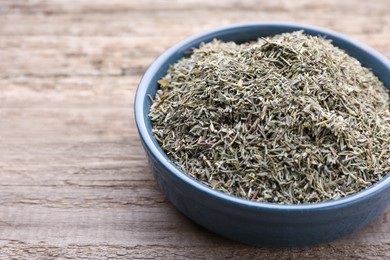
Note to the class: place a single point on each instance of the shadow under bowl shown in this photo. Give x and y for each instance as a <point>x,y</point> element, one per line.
<point>250,222</point>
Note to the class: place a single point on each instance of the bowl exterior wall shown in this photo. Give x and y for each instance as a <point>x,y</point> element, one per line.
<point>264,227</point>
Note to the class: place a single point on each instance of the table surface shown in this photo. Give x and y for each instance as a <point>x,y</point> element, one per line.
<point>74,180</point>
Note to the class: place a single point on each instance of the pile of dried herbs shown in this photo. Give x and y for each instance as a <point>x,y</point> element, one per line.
<point>287,119</point>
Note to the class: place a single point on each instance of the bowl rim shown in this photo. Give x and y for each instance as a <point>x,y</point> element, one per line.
<point>157,153</point>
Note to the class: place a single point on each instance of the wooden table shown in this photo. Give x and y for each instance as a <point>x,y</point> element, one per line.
<point>73,175</point>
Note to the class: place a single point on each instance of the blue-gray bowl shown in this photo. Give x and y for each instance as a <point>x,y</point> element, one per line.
<point>257,223</point>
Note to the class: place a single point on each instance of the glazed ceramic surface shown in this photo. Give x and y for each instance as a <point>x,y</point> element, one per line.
<point>256,223</point>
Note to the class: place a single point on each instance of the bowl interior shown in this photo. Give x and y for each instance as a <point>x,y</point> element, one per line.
<point>243,33</point>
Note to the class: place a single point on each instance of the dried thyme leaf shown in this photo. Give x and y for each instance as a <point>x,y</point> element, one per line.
<point>287,119</point>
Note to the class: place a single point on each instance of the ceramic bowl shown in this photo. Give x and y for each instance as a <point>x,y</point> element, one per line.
<point>250,222</point>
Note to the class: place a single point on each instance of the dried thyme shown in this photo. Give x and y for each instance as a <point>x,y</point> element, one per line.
<point>286,119</point>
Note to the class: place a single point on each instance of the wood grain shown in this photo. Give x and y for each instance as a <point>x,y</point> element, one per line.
<point>74,181</point>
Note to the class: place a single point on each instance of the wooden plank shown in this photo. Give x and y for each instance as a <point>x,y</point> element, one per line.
<point>123,18</point>
<point>51,56</point>
<point>171,23</point>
